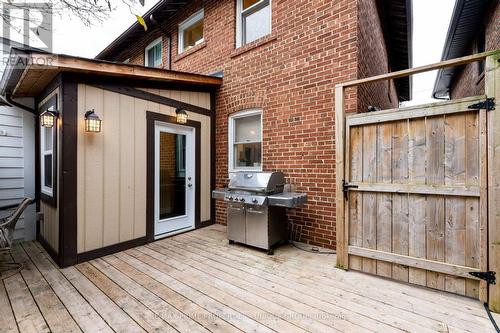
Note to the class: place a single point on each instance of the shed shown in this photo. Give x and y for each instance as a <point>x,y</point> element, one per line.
<point>148,173</point>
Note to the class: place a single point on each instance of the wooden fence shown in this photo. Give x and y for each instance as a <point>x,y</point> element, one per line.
<point>425,188</point>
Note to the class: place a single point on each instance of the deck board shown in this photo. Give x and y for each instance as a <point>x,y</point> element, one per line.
<point>197,282</point>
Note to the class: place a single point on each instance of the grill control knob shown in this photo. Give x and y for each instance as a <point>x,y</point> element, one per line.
<point>230,198</point>
<point>254,200</point>
<point>242,199</point>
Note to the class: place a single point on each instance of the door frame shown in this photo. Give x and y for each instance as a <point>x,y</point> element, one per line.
<point>151,119</point>
<point>185,221</point>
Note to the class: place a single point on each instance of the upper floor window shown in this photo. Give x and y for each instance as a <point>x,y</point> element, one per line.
<point>245,140</point>
<point>253,20</point>
<point>153,54</point>
<point>191,31</point>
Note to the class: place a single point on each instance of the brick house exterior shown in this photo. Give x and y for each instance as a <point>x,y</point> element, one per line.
<point>480,35</point>
<point>290,74</point>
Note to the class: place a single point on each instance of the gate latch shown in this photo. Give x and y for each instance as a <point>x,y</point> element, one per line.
<point>488,105</point>
<point>345,188</point>
<point>488,276</point>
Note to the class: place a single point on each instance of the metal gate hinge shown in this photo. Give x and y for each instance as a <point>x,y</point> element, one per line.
<point>488,105</point>
<point>488,276</point>
<point>345,188</point>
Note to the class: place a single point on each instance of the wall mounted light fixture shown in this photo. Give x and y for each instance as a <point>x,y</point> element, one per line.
<point>181,115</point>
<point>48,118</point>
<point>92,122</point>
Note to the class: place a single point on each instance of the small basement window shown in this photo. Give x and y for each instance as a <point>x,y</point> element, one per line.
<point>153,54</point>
<point>253,20</point>
<point>48,151</point>
<point>245,141</point>
<point>191,31</point>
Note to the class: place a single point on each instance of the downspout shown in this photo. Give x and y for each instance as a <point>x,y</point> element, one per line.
<point>168,35</point>
<point>9,99</point>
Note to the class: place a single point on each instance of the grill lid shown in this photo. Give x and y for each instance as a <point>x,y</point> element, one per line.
<point>267,182</point>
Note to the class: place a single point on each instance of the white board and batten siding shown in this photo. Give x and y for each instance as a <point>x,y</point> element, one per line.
<point>112,164</point>
<point>17,166</point>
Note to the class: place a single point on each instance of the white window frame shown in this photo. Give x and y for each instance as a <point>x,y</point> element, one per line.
<point>157,41</point>
<point>231,136</point>
<point>240,35</point>
<point>193,19</point>
<point>44,152</point>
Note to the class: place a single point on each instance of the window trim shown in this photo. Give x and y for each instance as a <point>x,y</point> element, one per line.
<point>151,45</point>
<point>48,195</point>
<point>240,35</point>
<point>231,138</point>
<point>193,19</point>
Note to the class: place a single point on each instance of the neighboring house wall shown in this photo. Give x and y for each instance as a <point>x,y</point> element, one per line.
<point>112,165</point>
<point>290,74</point>
<point>17,165</point>
<point>470,80</point>
<point>373,60</point>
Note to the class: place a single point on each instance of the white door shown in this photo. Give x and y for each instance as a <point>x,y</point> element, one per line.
<point>174,179</point>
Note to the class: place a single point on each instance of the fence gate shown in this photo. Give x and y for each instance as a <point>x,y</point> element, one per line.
<point>416,194</point>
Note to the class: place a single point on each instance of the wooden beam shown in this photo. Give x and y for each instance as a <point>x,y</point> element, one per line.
<point>421,69</point>
<point>427,110</point>
<point>431,265</point>
<point>492,87</point>
<point>341,226</point>
<point>147,96</point>
<point>464,191</point>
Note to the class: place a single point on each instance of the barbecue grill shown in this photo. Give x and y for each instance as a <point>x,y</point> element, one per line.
<point>256,213</point>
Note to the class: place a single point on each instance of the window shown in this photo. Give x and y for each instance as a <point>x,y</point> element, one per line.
<point>191,31</point>
<point>245,141</point>
<point>47,154</point>
<point>253,20</point>
<point>153,54</point>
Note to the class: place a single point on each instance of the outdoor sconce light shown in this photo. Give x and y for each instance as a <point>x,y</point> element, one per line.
<point>92,122</point>
<point>182,116</point>
<point>48,119</point>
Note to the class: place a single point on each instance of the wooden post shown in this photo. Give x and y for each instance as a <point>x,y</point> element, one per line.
<point>341,227</point>
<point>492,89</point>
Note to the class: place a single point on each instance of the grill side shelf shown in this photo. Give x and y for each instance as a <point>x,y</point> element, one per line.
<point>287,199</point>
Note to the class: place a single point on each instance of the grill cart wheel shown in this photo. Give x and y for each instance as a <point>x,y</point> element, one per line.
<point>270,252</point>
<point>231,241</point>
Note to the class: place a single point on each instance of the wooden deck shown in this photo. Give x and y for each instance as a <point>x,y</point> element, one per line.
<point>196,282</point>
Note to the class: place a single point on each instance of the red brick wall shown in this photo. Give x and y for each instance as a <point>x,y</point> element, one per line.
<point>469,81</point>
<point>373,60</point>
<point>291,75</point>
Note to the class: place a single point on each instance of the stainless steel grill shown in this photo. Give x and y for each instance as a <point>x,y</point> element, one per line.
<point>257,205</point>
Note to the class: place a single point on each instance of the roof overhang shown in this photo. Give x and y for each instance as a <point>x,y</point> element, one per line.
<point>158,13</point>
<point>30,72</point>
<point>467,17</point>
<point>397,24</point>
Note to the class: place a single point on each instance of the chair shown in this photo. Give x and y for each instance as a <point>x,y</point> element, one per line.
<point>7,227</point>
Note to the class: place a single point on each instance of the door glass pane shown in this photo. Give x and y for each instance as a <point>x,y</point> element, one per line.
<point>47,161</point>
<point>172,175</point>
<point>247,129</point>
<point>247,155</point>
<point>257,24</point>
<point>193,35</point>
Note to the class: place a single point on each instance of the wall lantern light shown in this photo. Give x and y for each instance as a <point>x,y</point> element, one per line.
<point>182,116</point>
<point>48,118</point>
<point>92,122</point>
